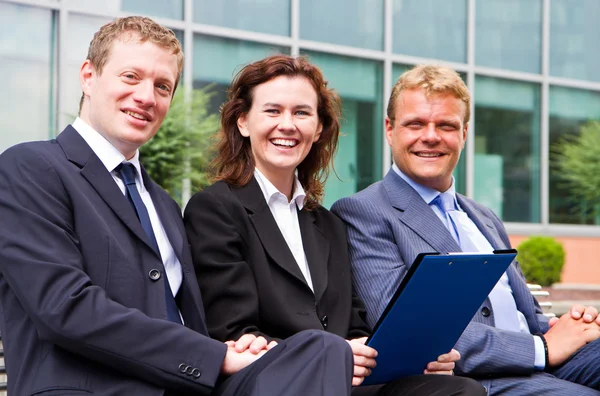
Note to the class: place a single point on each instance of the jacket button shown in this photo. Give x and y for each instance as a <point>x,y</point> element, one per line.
<point>183,367</point>
<point>485,311</point>
<point>154,274</point>
<point>196,373</point>
<point>324,321</point>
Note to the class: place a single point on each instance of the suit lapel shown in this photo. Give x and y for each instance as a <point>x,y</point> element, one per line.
<point>316,248</point>
<point>414,212</point>
<point>93,170</point>
<point>251,196</point>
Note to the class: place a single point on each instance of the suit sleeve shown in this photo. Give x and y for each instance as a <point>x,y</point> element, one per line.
<point>42,265</point>
<point>378,268</point>
<point>227,282</point>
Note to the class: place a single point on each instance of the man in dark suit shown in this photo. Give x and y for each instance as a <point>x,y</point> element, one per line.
<point>509,345</point>
<point>97,290</point>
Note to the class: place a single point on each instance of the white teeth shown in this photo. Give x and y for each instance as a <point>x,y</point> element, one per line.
<point>284,142</point>
<point>429,154</point>
<point>135,115</point>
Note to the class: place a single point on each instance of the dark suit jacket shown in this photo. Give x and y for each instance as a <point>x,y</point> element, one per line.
<point>249,279</point>
<point>79,312</point>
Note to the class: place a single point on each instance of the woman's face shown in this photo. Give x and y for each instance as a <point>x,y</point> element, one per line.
<point>282,124</point>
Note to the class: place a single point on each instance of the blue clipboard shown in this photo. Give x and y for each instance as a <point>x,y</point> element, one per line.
<point>431,308</point>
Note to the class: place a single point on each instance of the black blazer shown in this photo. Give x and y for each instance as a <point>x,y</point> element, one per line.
<point>249,279</point>
<point>79,312</point>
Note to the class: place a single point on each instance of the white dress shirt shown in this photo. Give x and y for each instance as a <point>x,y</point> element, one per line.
<point>286,217</point>
<point>111,158</point>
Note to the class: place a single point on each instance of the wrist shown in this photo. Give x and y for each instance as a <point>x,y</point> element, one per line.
<point>546,358</point>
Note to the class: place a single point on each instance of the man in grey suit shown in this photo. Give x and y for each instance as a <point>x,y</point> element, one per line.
<point>510,346</point>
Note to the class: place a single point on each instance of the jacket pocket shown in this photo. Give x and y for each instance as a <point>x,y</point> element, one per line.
<point>62,391</point>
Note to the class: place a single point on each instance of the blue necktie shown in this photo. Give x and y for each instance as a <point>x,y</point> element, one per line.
<point>471,239</point>
<point>128,172</point>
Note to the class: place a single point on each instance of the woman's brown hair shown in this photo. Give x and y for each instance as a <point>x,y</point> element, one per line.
<point>234,162</point>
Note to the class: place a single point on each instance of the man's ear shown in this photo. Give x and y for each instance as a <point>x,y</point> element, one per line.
<point>389,130</point>
<point>242,124</point>
<point>87,75</point>
<point>464,132</point>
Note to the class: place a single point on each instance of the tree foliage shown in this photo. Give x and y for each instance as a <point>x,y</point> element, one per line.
<point>542,259</point>
<point>577,160</point>
<point>181,149</point>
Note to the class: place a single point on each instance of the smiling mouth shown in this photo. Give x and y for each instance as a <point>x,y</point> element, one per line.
<point>428,155</point>
<point>284,142</point>
<point>135,115</point>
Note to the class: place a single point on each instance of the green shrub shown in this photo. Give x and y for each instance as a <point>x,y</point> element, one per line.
<point>542,259</point>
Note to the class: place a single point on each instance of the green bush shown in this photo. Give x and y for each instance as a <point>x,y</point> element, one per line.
<point>541,259</point>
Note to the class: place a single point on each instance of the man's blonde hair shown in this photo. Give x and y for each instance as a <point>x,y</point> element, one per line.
<point>133,28</point>
<point>433,80</point>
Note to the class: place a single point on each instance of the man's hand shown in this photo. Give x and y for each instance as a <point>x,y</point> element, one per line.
<point>567,335</point>
<point>445,364</point>
<point>589,314</point>
<point>251,343</point>
<point>235,361</point>
<point>364,359</point>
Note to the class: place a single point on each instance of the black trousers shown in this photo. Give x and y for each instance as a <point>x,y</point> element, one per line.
<point>311,362</point>
<point>424,385</point>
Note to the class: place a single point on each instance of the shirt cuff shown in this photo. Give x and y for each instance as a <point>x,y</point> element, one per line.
<point>540,355</point>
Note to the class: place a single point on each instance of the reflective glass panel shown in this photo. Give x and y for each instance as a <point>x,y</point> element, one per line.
<point>507,148</point>
<point>570,110</point>
<point>27,65</point>
<point>264,16</point>
<point>430,29</point>
<point>172,9</point>
<point>460,170</point>
<point>574,33</point>
<point>508,34</point>
<point>217,60</point>
<point>356,23</point>
<point>359,159</point>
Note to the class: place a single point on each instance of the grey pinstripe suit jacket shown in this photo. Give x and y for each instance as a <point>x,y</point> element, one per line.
<point>388,225</point>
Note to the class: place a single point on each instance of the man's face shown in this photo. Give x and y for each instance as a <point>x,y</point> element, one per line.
<point>427,136</point>
<point>128,102</point>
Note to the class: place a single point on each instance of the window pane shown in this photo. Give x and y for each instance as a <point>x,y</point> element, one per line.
<point>509,34</point>
<point>356,23</point>
<point>264,16</point>
<point>359,159</point>
<point>507,148</point>
<point>430,29</point>
<point>570,109</point>
<point>27,62</point>
<point>172,9</point>
<point>460,170</point>
<point>217,60</point>
<point>574,33</point>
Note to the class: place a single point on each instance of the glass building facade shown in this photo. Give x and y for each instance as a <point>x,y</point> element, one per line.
<point>531,66</point>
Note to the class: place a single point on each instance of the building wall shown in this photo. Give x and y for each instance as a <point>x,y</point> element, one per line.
<point>582,258</point>
<point>529,65</point>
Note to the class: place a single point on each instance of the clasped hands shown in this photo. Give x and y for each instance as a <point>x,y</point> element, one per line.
<point>249,347</point>
<point>571,332</point>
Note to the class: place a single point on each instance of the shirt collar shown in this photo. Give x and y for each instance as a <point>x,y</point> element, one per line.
<point>270,191</point>
<point>427,193</point>
<point>106,152</point>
